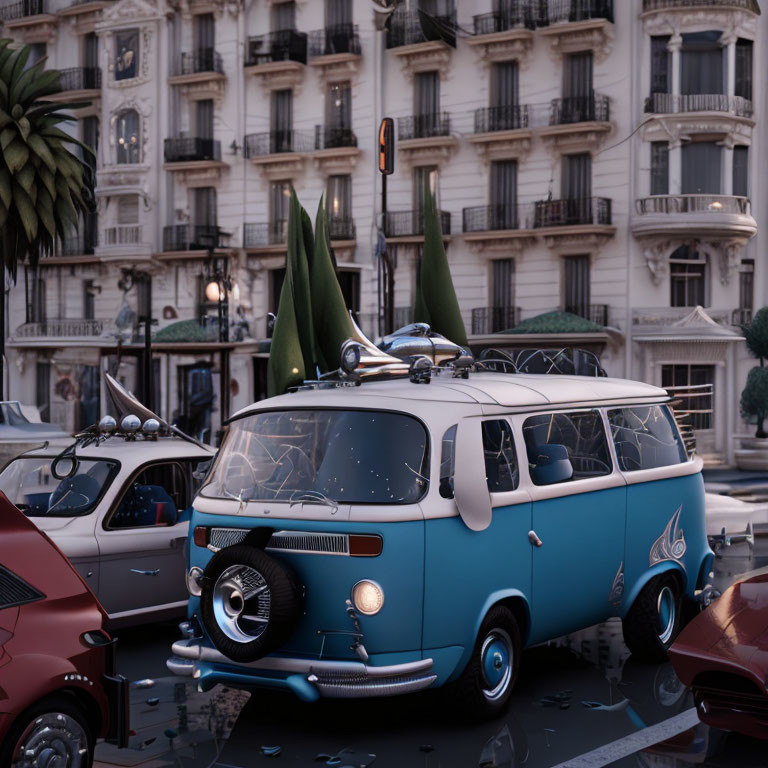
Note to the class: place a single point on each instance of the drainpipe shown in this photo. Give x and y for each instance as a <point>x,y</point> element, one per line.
<point>635,117</point>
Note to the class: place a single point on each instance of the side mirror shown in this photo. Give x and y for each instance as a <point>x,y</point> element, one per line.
<point>552,465</point>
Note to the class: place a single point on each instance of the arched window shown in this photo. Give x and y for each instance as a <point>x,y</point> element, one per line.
<point>688,277</point>
<point>127,134</point>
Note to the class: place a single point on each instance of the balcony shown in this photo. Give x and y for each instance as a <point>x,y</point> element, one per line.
<point>191,237</point>
<point>578,123</point>
<point>408,226</point>
<point>279,154</point>
<point>423,49</point>
<point>578,25</point>
<point>651,6</point>
<point>674,103</point>
<point>78,83</point>
<point>77,244</point>
<point>122,242</point>
<point>487,320</point>
<point>718,216</point>
<point>31,19</point>
<point>506,34</point>
<point>335,150</point>
<point>335,52</point>
<point>595,313</point>
<point>426,138</point>
<point>492,230</point>
<point>85,14</point>
<point>61,329</point>
<point>269,238</point>
<point>200,75</point>
<point>502,132</point>
<point>125,234</point>
<point>194,160</point>
<point>574,225</point>
<point>277,58</point>
<point>341,229</point>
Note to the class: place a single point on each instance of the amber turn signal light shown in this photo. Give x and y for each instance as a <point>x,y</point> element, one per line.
<point>200,536</point>
<point>363,545</point>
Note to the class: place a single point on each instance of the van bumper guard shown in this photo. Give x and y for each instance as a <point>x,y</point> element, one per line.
<point>331,679</point>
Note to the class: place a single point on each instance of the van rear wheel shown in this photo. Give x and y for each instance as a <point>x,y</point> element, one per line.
<point>653,621</point>
<point>484,687</point>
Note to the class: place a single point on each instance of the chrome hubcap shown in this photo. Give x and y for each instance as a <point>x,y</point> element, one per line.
<point>53,740</point>
<point>241,603</point>
<point>496,662</point>
<point>666,609</point>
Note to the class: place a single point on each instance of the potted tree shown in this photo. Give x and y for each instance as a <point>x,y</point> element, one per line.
<point>753,454</point>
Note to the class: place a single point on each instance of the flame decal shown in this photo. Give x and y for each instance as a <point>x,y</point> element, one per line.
<point>617,589</point>
<point>671,544</point>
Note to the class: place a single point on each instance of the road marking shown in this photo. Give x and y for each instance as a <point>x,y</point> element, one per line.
<point>616,750</point>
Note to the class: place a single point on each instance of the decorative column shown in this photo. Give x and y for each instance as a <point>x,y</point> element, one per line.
<point>727,182</point>
<point>730,68</point>
<point>673,46</point>
<point>675,167</point>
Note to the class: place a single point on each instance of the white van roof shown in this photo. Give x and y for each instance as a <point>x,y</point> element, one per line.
<point>523,391</point>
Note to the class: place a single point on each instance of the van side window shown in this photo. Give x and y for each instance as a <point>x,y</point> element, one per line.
<point>645,437</point>
<point>580,433</point>
<point>448,462</point>
<point>501,471</point>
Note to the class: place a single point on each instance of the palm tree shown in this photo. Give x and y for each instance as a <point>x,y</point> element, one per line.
<point>44,186</point>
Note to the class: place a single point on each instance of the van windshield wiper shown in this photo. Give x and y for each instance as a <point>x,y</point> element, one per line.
<point>314,497</point>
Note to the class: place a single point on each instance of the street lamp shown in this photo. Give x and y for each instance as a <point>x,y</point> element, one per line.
<point>218,285</point>
<point>130,278</point>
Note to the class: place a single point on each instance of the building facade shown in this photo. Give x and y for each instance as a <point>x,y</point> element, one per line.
<point>591,157</point>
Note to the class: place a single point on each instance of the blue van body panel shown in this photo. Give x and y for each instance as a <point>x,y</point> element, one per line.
<point>329,580</point>
<point>575,568</point>
<point>465,569</point>
<point>665,528</point>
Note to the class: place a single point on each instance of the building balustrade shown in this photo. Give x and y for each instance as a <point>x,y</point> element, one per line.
<point>201,61</point>
<point>672,204</point>
<point>265,234</point>
<point>341,38</point>
<point>276,142</point>
<point>741,317</point>
<point>60,328</point>
<point>667,5</point>
<point>571,212</point>
<point>283,45</point>
<point>563,11</point>
<point>77,243</point>
<point>675,103</point>
<point>191,237</point>
<point>526,14</point>
<point>406,28</point>
<point>411,223</point>
<point>486,218</point>
<point>332,138</point>
<point>494,319</point>
<point>596,313</point>
<point>188,149</point>
<point>424,126</point>
<point>509,117</point>
<point>341,228</point>
<point>124,234</point>
<point>580,109</point>
<point>22,9</point>
<point>80,79</point>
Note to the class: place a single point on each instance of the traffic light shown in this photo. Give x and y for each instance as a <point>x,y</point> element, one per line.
<point>387,146</point>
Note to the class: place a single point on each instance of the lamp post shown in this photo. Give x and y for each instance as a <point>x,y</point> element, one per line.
<point>218,285</point>
<point>130,278</point>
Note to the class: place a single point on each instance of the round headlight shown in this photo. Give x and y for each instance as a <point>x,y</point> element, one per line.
<point>368,597</point>
<point>107,425</point>
<point>350,356</point>
<point>130,424</point>
<point>193,581</point>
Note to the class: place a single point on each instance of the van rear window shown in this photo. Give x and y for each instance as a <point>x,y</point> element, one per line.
<point>646,437</point>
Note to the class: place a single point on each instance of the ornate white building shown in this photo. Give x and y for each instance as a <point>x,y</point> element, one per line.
<point>594,156</point>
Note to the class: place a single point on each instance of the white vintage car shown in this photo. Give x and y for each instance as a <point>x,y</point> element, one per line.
<point>119,510</point>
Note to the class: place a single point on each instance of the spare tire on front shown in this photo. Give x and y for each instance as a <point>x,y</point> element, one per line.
<point>250,602</point>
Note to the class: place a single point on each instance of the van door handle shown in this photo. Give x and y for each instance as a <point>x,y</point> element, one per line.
<point>534,539</point>
<point>156,572</point>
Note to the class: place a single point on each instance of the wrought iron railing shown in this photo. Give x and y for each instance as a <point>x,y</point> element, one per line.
<point>597,313</point>
<point>202,60</point>
<point>265,234</point>
<point>666,5</point>
<point>693,204</point>
<point>405,26</point>
<point>60,328</point>
<point>190,237</point>
<point>485,218</point>
<point>520,13</point>
<point>187,149</point>
<point>568,212</point>
<point>342,38</point>
<point>276,142</point>
<point>284,45</point>
<point>411,223</point>
<point>579,109</point>
<point>77,243</point>
<point>674,103</point>
<point>341,228</point>
<point>494,319</point>
<point>330,138</point>
<point>22,9</point>
<point>80,78</point>
<point>560,11</point>
<point>740,317</point>
<point>424,126</point>
<point>503,118</point>
<point>124,234</point>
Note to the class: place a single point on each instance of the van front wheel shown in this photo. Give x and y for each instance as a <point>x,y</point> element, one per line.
<point>653,621</point>
<point>486,683</point>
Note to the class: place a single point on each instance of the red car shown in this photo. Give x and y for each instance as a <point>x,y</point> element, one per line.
<point>723,656</point>
<point>58,687</point>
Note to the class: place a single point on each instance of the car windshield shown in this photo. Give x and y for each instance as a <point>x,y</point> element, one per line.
<point>30,485</point>
<point>366,457</point>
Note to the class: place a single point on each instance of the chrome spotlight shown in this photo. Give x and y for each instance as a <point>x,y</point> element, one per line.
<point>151,427</point>
<point>130,424</point>
<point>107,425</point>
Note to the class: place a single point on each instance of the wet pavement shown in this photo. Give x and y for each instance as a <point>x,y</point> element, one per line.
<point>580,701</point>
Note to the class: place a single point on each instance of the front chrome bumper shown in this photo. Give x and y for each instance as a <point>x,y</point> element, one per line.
<point>331,679</point>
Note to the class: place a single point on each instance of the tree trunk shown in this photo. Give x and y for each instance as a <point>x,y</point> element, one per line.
<point>760,431</point>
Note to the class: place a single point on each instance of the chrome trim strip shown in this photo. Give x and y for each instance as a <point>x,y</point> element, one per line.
<point>181,667</point>
<point>297,542</point>
<point>188,649</point>
<point>364,690</point>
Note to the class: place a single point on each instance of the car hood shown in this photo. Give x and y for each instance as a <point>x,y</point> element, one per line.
<point>733,630</point>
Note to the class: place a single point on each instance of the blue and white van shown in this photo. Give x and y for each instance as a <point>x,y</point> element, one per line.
<point>390,537</point>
